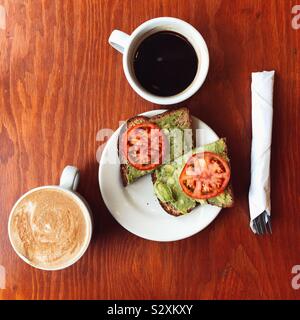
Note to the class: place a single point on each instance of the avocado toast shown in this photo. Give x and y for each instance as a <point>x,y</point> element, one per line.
<point>167,121</point>
<point>168,189</point>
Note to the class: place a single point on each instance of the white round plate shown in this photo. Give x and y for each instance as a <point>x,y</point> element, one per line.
<point>137,209</point>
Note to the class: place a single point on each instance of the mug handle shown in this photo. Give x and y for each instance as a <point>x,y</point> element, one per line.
<point>69,178</point>
<point>119,40</point>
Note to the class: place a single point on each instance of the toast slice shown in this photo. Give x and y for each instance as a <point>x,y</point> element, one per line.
<point>178,118</point>
<point>168,191</point>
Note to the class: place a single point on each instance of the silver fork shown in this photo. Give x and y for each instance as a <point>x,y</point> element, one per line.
<point>262,224</point>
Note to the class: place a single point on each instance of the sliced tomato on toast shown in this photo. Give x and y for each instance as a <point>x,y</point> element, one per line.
<point>204,176</point>
<point>144,146</point>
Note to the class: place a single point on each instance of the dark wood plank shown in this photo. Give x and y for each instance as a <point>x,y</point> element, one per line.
<point>60,83</point>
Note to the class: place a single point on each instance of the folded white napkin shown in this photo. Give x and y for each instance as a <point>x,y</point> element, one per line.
<point>262,118</point>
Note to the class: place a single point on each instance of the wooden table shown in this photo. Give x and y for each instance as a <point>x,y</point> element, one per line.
<point>60,83</point>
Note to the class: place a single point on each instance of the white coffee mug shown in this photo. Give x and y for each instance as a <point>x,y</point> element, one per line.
<point>68,183</point>
<point>127,45</point>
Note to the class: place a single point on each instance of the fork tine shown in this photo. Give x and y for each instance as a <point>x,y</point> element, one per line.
<point>260,223</point>
<point>258,229</point>
<point>255,226</point>
<point>263,222</point>
<point>269,224</point>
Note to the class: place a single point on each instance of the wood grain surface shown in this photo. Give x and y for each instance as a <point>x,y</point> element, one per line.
<point>60,83</point>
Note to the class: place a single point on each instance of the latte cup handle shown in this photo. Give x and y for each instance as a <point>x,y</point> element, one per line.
<point>69,178</point>
<point>119,40</point>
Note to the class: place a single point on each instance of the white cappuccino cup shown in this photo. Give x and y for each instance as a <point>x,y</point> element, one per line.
<point>43,228</point>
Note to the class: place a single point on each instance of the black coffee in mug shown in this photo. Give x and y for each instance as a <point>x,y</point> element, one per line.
<point>165,63</point>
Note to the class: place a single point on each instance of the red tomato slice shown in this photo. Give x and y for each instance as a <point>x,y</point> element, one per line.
<point>204,176</point>
<point>144,146</point>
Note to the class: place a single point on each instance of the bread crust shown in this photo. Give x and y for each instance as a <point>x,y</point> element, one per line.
<point>185,110</point>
